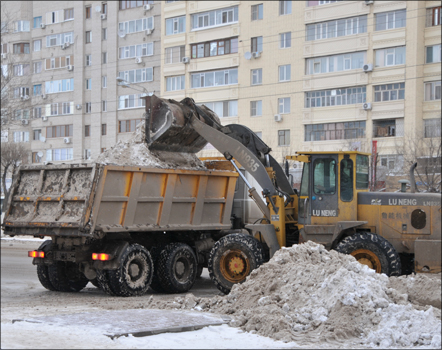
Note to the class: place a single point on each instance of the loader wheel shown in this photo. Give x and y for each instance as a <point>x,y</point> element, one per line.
<point>134,273</point>
<point>177,267</point>
<point>65,276</point>
<point>372,250</point>
<point>42,270</point>
<point>232,258</point>
<point>155,284</point>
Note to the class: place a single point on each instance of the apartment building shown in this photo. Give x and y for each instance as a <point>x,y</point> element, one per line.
<point>304,75</point>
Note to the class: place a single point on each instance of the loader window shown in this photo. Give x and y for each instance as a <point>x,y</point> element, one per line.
<point>361,172</point>
<point>304,181</point>
<point>324,176</point>
<point>346,180</point>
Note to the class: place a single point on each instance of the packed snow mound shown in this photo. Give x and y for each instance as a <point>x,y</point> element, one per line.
<point>308,293</point>
<point>135,152</point>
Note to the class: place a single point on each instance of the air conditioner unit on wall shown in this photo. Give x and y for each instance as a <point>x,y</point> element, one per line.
<point>45,119</point>
<point>24,98</point>
<point>67,140</point>
<point>42,25</point>
<point>44,97</point>
<point>147,7</point>
<point>149,31</point>
<point>25,122</point>
<point>256,54</point>
<point>138,60</point>
<point>278,117</point>
<point>367,106</point>
<point>3,56</point>
<point>185,60</point>
<point>78,106</point>
<point>70,67</point>
<point>369,2</point>
<point>103,16</point>
<point>67,44</point>
<point>367,67</point>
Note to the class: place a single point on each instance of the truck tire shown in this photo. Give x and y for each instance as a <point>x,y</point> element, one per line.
<point>94,282</point>
<point>177,267</point>
<point>232,258</point>
<point>65,276</point>
<point>155,285</point>
<point>103,282</point>
<point>372,250</point>
<point>42,270</point>
<point>134,273</point>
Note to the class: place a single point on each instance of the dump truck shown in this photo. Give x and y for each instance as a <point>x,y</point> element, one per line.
<point>126,229</point>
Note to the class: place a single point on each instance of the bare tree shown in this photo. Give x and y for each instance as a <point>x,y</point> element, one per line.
<point>12,155</point>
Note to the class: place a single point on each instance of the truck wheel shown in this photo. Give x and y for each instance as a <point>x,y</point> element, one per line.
<point>103,282</point>
<point>134,273</point>
<point>65,276</point>
<point>95,282</point>
<point>155,284</point>
<point>232,258</point>
<point>372,250</point>
<point>42,270</point>
<point>177,267</point>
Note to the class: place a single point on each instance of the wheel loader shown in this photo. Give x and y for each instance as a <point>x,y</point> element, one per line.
<point>127,229</point>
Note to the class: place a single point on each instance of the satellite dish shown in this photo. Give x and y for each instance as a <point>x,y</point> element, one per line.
<point>42,138</point>
<point>98,9</point>
<point>247,55</point>
<point>121,33</point>
<point>40,154</point>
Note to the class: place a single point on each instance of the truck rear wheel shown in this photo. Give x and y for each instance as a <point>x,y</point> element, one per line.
<point>155,284</point>
<point>372,250</point>
<point>65,276</point>
<point>177,267</point>
<point>232,258</point>
<point>103,282</point>
<point>134,273</point>
<point>42,270</point>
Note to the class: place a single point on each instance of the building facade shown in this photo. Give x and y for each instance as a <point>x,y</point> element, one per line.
<point>304,75</point>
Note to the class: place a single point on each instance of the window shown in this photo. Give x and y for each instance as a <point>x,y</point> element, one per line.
<point>128,125</point>
<point>21,26</point>
<point>175,25</point>
<point>37,112</point>
<point>68,14</point>
<point>283,137</point>
<point>432,91</point>
<point>346,182</point>
<point>256,108</point>
<point>37,90</point>
<point>433,54</point>
<point>131,101</point>
<point>59,86</point>
<point>21,48</point>
<point>4,27</point>
<point>432,128</point>
<point>103,34</point>
<point>175,83</point>
<point>60,131</point>
<point>337,28</point>
<point>136,51</point>
<point>361,172</point>
<point>284,73</point>
<point>88,37</point>
<point>104,7</point>
<point>256,44</point>
<point>285,8</point>
<point>390,57</point>
<point>21,136</point>
<point>316,2</point>
<point>21,91</point>
<point>214,78</point>
<point>59,154</point>
<point>88,60</point>
<point>87,131</point>
<point>88,107</point>
<point>87,154</point>
<point>88,11</point>
<point>215,48</point>
<point>21,69</point>
<point>53,17</point>
<point>136,25</point>
<point>284,105</point>
<point>388,127</point>
<point>104,57</point>
<point>335,97</point>
<point>390,161</point>
<point>434,17</point>
<point>335,63</point>
<point>334,131</point>
<point>21,114</point>
<point>104,106</point>
<point>389,92</point>
<point>58,62</point>
<point>137,75</point>
<point>58,39</point>
<point>224,108</point>
<point>59,108</point>
<point>285,40</point>
<point>256,76</point>
<point>127,4</point>
<point>390,20</point>
<point>324,176</point>
<point>214,18</point>
<point>37,45</point>
<point>103,129</point>
<point>5,73</point>
<point>37,134</point>
<point>257,12</point>
<point>4,48</point>
<point>36,158</point>
<point>88,84</point>
<point>174,54</point>
<point>104,81</point>
<point>37,22</point>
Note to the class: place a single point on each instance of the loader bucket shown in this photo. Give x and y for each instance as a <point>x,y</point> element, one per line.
<point>168,127</point>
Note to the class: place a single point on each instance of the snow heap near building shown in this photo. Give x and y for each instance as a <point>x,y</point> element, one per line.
<point>310,295</point>
<point>135,152</point>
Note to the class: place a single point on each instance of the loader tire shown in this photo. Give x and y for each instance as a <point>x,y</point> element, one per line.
<point>42,270</point>
<point>134,273</point>
<point>372,250</point>
<point>65,276</point>
<point>103,282</point>
<point>155,284</point>
<point>232,258</point>
<point>177,267</point>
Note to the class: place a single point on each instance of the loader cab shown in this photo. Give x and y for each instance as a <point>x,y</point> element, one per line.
<point>329,186</point>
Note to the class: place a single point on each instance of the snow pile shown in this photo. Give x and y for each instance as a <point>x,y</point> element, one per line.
<point>306,292</point>
<point>135,152</point>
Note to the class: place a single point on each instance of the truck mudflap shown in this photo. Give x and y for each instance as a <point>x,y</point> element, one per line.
<point>427,256</point>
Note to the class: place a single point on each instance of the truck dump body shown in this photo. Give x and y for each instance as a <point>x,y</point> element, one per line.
<point>85,200</point>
